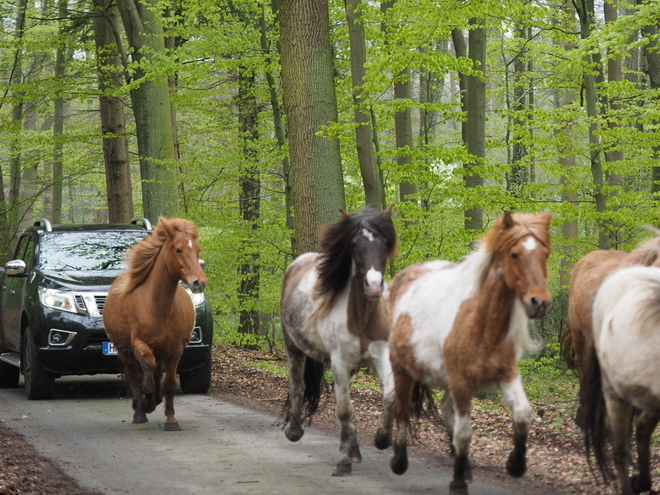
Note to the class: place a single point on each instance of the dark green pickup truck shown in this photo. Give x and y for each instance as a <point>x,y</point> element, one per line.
<point>51,307</point>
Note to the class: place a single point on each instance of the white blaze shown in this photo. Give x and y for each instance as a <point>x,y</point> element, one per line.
<point>368,235</point>
<point>190,243</point>
<point>529,244</point>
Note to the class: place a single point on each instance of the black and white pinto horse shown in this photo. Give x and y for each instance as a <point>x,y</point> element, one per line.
<point>623,365</point>
<point>333,314</point>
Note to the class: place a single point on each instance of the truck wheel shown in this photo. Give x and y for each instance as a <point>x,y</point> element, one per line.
<point>197,381</point>
<point>39,383</point>
<point>9,375</point>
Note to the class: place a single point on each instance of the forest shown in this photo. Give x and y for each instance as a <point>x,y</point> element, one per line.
<point>259,120</point>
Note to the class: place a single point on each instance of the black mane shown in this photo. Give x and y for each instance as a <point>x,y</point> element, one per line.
<point>337,247</point>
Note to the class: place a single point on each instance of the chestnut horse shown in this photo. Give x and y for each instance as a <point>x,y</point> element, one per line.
<point>149,316</point>
<point>463,327</point>
<point>621,378</point>
<point>588,273</point>
<point>333,314</point>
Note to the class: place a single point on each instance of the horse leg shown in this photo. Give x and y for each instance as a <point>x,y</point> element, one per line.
<point>620,413</point>
<point>403,389</point>
<point>515,398</point>
<point>132,377</point>
<point>169,387</point>
<point>294,430</point>
<point>349,448</point>
<point>380,360</point>
<point>646,423</point>
<point>462,435</point>
<point>147,363</point>
<point>158,379</point>
<point>447,408</point>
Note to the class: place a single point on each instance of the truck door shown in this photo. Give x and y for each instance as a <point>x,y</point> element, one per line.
<point>13,289</point>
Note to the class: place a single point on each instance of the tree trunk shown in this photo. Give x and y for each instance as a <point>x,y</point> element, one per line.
<point>373,188</point>
<point>585,10</point>
<point>460,50</point>
<point>519,176</point>
<point>248,115</point>
<point>652,56</point>
<point>310,102</point>
<point>476,121</point>
<point>142,22</point>
<point>403,128</point>
<point>113,124</point>
<point>278,125</point>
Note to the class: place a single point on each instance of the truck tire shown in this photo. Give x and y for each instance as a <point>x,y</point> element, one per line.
<point>197,381</point>
<point>9,375</point>
<point>39,383</point>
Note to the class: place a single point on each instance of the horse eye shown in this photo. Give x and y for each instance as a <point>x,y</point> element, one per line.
<point>178,251</point>
<point>514,256</point>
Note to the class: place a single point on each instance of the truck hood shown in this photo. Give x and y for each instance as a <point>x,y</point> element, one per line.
<point>90,280</point>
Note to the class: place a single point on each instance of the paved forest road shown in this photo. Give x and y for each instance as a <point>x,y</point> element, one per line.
<point>222,448</point>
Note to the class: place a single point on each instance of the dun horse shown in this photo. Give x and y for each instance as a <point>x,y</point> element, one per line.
<point>462,327</point>
<point>621,377</point>
<point>333,314</point>
<point>149,316</point>
<point>586,278</point>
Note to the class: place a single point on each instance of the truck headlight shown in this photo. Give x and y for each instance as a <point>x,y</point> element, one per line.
<point>57,299</point>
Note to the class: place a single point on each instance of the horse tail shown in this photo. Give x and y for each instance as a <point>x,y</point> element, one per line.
<point>315,385</point>
<point>593,412</point>
<point>423,405</point>
<point>566,347</point>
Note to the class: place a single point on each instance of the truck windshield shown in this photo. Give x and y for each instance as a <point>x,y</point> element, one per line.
<point>86,250</point>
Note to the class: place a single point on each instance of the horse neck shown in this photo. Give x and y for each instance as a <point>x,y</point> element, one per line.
<point>492,306</point>
<point>162,285</point>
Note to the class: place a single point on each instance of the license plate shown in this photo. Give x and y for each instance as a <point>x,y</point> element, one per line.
<point>109,349</point>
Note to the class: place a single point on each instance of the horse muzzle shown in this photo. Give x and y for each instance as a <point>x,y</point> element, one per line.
<point>536,307</point>
<point>197,286</point>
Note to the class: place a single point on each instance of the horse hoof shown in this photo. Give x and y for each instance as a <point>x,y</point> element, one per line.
<point>343,469</point>
<point>639,484</point>
<point>382,440</point>
<point>458,487</point>
<point>515,467</point>
<point>139,418</point>
<point>399,465</point>
<point>294,434</point>
<point>172,426</point>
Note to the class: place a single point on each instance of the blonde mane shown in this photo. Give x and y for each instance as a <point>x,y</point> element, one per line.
<point>142,257</point>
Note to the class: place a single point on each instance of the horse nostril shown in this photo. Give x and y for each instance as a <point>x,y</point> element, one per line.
<point>534,302</point>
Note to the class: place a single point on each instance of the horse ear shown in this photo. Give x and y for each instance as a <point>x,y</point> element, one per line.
<point>344,214</point>
<point>546,217</point>
<point>507,220</point>
<point>388,212</point>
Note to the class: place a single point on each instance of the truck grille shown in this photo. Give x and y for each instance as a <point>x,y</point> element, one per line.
<point>100,303</point>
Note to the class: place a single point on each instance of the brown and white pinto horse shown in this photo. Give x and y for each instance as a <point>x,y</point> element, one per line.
<point>587,276</point>
<point>463,327</point>
<point>622,365</point>
<point>333,314</point>
<point>149,316</point>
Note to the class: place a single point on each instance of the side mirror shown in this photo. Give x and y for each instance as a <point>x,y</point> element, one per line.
<point>15,268</point>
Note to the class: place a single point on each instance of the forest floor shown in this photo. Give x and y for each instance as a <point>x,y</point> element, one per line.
<point>257,380</point>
